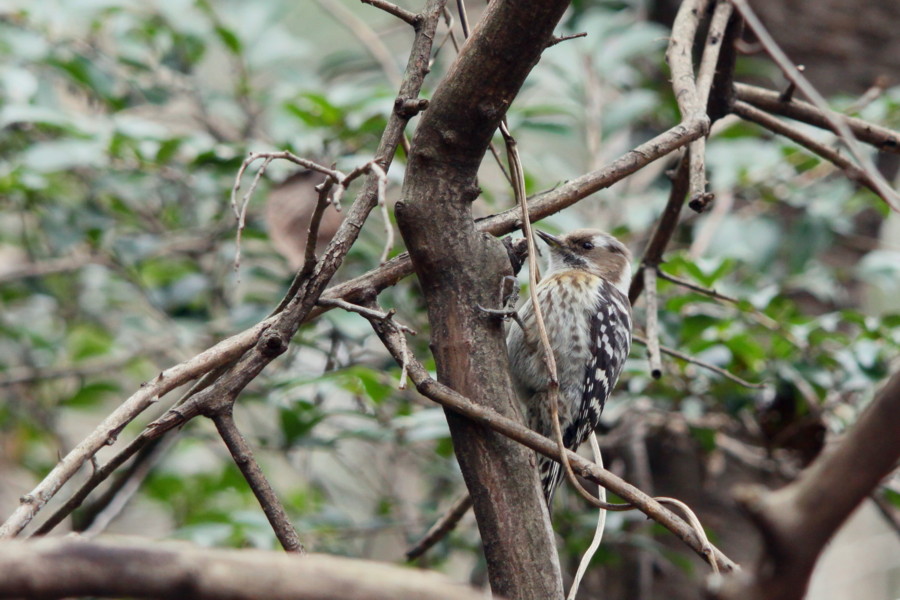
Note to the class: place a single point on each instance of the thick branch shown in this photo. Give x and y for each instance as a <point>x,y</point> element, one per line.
<point>65,567</point>
<point>799,519</point>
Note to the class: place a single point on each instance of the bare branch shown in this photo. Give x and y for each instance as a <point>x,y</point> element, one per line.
<point>488,417</point>
<point>67,567</point>
<point>105,434</point>
<point>268,500</point>
<point>696,288</point>
<point>775,125</point>
<point>116,497</point>
<point>362,31</point>
<point>368,313</point>
<point>678,55</point>
<point>838,123</point>
<point>665,227</point>
<point>565,38</point>
<point>795,521</point>
<point>312,234</point>
<point>649,274</point>
<point>441,528</point>
<point>700,198</point>
<point>882,138</point>
<point>34,374</point>
<point>399,12</point>
<point>268,343</point>
<point>696,361</point>
<point>543,205</point>
<point>76,260</point>
<point>240,211</point>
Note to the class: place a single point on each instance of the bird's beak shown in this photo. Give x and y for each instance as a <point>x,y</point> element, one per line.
<point>552,240</point>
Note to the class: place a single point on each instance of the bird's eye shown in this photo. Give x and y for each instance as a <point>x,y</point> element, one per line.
<point>587,245</point>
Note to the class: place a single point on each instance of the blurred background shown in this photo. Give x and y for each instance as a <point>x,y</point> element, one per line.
<point>124,124</point>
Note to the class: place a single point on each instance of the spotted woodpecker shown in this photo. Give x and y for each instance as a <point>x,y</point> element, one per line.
<point>584,300</point>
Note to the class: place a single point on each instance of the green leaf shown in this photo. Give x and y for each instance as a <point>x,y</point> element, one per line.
<point>92,394</point>
<point>298,421</point>
<point>706,436</point>
<point>230,39</point>
<point>87,341</point>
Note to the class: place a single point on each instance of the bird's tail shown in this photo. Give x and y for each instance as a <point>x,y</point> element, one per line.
<point>551,474</point>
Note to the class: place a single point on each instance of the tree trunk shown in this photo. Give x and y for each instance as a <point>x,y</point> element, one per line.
<point>460,268</point>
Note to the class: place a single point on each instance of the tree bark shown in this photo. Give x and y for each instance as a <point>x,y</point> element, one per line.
<point>63,567</point>
<point>460,268</point>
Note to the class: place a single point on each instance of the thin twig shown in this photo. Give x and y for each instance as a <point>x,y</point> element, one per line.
<point>366,312</point>
<point>496,154</point>
<point>385,214</point>
<point>696,288</point>
<point>696,361</point>
<point>887,510</point>
<point>240,212</point>
<point>268,500</point>
<point>882,187</point>
<point>698,528</point>
<point>463,17</point>
<point>362,31</point>
<point>652,321</point>
<point>399,12</point>
<point>370,313</point>
<point>76,259</point>
<point>312,234</point>
<point>853,172</point>
<point>36,374</point>
<point>666,225</point>
<point>884,139</point>
<point>678,55</point>
<point>868,97</point>
<point>113,502</point>
<point>98,475</point>
<point>143,448</point>
<point>372,41</point>
<point>441,527</point>
<point>564,38</point>
<point>106,433</point>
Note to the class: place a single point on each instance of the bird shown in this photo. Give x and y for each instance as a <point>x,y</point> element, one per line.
<point>583,297</point>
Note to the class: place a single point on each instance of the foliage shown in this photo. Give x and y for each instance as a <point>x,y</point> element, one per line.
<point>124,125</point>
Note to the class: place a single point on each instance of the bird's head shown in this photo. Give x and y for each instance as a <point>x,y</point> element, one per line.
<point>593,251</point>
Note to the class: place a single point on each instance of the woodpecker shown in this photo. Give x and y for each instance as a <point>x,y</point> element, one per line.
<point>584,301</point>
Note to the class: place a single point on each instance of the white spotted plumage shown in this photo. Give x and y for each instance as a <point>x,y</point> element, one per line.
<point>588,319</point>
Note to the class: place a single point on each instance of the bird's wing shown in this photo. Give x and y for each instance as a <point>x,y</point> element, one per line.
<point>610,344</point>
